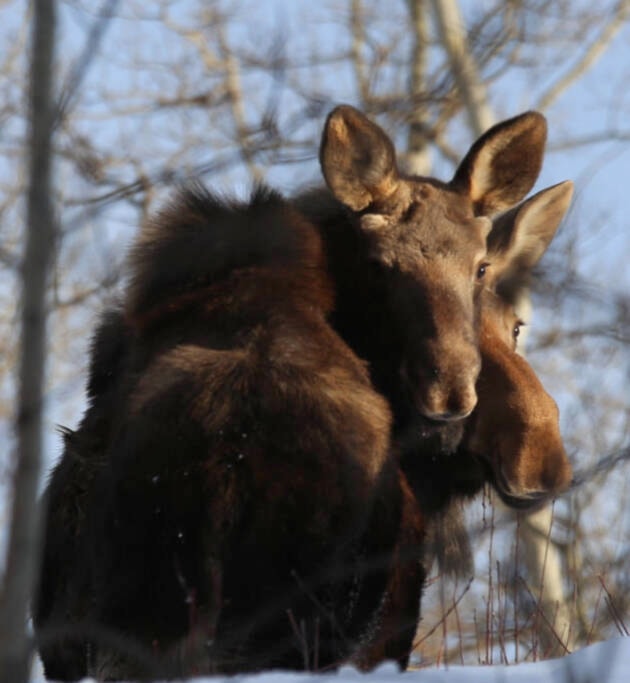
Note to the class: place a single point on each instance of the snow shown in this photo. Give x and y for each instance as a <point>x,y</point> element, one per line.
<point>605,662</point>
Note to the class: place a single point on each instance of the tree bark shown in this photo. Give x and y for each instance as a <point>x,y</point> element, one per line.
<point>471,89</point>
<point>23,555</point>
<point>543,559</point>
<point>418,158</point>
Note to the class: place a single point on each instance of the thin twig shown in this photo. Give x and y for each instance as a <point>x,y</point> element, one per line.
<point>614,612</point>
<point>590,56</point>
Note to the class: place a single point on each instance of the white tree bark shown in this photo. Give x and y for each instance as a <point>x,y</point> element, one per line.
<point>23,555</point>
<point>452,32</point>
<point>418,157</point>
<point>543,560</point>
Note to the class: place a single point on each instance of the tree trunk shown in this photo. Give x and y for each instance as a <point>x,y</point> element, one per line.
<point>23,555</point>
<point>471,89</point>
<point>543,559</point>
<point>418,158</point>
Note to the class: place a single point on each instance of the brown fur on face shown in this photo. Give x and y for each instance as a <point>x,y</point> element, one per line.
<point>512,439</point>
<point>516,424</point>
<point>515,427</point>
<point>407,252</point>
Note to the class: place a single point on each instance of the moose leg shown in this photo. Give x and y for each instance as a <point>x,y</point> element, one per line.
<point>392,637</point>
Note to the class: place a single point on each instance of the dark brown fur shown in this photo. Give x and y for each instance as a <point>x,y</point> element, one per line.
<point>225,334</point>
<point>251,461</point>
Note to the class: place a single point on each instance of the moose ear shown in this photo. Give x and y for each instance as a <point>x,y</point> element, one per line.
<point>357,159</point>
<point>504,163</point>
<point>520,236</point>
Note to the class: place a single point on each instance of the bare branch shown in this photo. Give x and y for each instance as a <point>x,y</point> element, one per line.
<point>357,28</point>
<point>590,56</point>
<point>235,97</point>
<point>82,64</point>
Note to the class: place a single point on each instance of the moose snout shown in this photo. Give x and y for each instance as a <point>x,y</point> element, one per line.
<point>557,473</point>
<point>534,461</point>
<point>447,391</point>
<point>447,404</point>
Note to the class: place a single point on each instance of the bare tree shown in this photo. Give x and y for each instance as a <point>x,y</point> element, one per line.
<point>22,558</point>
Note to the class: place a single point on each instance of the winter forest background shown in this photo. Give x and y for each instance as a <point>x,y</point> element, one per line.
<point>147,94</point>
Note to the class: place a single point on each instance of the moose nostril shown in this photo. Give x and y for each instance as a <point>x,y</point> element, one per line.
<point>461,404</point>
<point>449,417</point>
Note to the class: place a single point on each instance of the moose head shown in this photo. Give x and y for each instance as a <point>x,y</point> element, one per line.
<point>515,426</point>
<point>409,273</point>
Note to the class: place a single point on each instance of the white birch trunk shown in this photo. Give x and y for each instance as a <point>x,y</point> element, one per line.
<point>452,32</point>
<point>544,563</point>
<point>418,157</point>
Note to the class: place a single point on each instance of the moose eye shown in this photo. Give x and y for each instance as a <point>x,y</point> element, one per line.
<point>517,329</point>
<point>481,271</point>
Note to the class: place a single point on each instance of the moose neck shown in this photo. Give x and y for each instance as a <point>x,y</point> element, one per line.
<point>360,306</point>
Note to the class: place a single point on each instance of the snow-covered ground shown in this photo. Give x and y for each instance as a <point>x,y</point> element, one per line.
<point>607,662</point>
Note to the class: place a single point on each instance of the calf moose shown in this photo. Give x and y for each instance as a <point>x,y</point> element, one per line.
<point>234,470</point>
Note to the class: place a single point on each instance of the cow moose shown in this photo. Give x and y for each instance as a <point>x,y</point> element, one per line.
<point>235,470</point>
<point>512,440</point>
